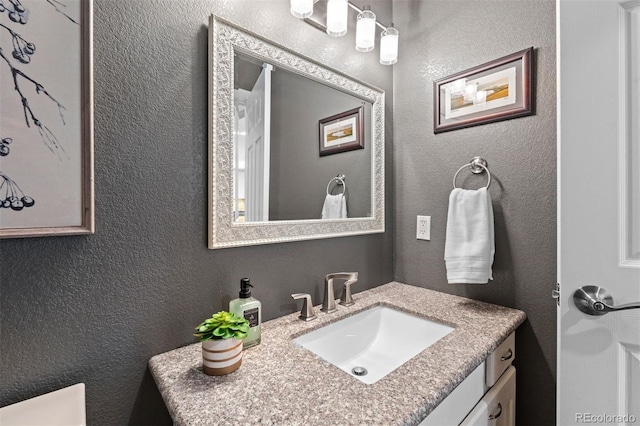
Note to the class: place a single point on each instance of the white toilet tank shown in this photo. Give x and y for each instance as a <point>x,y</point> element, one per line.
<point>64,407</point>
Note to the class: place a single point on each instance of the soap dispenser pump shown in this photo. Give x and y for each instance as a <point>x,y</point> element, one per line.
<point>250,309</point>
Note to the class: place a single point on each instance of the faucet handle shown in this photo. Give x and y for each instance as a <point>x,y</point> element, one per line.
<point>306,314</point>
<point>346,299</point>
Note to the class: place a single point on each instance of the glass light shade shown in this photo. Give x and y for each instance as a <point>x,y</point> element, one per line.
<point>337,15</point>
<point>458,85</point>
<point>302,8</point>
<point>389,46</point>
<point>366,31</point>
<point>481,97</point>
<point>470,91</point>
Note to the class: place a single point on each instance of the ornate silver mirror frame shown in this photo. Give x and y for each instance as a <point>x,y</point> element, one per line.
<point>224,39</point>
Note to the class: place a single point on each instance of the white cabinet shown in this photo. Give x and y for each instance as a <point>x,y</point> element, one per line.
<point>453,409</point>
<point>498,406</point>
<point>500,359</point>
<point>486,397</point>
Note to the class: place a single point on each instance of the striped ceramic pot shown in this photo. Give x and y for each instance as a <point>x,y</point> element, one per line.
<point>220,357</point>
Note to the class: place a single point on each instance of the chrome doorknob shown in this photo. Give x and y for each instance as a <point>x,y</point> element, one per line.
<point>594,300</point>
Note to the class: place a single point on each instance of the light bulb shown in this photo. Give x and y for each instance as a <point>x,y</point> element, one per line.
<point>366,31</point>
<point>389,46</point>
<point>337,15</point>
<point>302,8</point>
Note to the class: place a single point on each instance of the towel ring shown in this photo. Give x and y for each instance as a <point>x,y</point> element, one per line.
<point>340,181</point>
<point>476,165</point>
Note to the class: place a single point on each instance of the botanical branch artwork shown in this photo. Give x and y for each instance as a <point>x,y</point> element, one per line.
<point>40,106</point>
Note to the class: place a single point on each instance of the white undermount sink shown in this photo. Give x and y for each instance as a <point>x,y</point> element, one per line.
<point>375,341</point>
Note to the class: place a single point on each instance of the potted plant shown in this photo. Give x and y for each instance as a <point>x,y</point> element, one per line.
<point>221,337</point>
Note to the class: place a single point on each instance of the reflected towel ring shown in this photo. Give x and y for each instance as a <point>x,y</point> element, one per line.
<point>476,165</point>
<point>340,180</point>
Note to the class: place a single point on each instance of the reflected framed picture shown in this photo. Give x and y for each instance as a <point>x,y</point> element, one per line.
<point>495,91</point>
<point>46,118</point>
<point>342,132</point>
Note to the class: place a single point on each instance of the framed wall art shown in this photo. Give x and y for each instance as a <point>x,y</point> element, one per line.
<point>46,118</point>
<point>495,91</point>
<point>342,132</point>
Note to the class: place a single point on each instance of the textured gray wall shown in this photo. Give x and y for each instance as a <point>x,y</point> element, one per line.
<point>299,176</point>
<point>94,309</point>
<point>439,38</point>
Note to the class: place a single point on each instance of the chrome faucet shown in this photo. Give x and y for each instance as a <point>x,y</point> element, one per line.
<point>329,301</point>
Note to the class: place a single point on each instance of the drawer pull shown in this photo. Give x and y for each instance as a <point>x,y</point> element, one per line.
<point>509,355</point>
<point>495,416</point>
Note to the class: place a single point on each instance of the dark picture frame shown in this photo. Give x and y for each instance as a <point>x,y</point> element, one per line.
<point>498,90</point>
<point>342,132</point>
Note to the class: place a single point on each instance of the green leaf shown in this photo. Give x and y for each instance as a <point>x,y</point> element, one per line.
<point>222,325</point>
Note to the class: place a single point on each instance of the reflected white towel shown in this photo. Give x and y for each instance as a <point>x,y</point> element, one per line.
<point>470,246</point>
<point>335,207</point>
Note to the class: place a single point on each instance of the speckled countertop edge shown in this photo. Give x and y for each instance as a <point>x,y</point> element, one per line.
<point>280,384</point>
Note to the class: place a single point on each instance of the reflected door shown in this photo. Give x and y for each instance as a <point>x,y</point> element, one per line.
<point>258,148</point>
<point>599,198</point>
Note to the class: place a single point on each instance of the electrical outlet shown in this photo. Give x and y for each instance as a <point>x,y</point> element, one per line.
<point>423,231</point>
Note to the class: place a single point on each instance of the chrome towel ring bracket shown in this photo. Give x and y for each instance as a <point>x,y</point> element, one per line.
<point>476,165</point>
<point>340,181</point>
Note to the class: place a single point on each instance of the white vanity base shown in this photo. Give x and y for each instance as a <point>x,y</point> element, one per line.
<point>486,397</point>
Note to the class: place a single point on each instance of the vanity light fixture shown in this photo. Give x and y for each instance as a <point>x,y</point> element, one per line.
<point>366,30</point>
<point>337,17</point>
<point>337,23</point>
<point>469,91</point>
<point>389,46</point>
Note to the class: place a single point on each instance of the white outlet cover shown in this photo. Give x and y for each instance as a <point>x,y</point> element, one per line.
<point>423,228</point>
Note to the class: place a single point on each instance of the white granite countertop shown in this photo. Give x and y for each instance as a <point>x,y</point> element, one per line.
<point>279,384</point>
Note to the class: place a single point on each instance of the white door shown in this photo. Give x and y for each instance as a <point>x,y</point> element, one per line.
<point>258,148</point>
<point>599,210</point>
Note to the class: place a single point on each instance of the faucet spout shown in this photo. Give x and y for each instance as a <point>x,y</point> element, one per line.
<point>329,301</point>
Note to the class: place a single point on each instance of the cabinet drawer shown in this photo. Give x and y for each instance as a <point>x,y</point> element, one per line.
<point>498,406</point>
<point>500,359</point>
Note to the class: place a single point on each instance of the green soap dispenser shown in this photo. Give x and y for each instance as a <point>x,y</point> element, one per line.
<point>249,308</point>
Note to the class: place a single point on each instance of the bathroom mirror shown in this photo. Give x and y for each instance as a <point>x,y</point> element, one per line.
<point>280,170</point>
<point>303,142</point>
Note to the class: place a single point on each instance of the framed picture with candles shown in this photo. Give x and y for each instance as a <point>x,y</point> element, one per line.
<point>495,91</point>
<point>342,132</point>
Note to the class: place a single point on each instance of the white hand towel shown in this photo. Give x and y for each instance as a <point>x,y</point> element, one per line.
<point>470,246</point>
<point>335,207</point>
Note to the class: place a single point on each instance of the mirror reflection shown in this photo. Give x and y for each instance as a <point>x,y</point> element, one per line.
<point>302,149</point>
